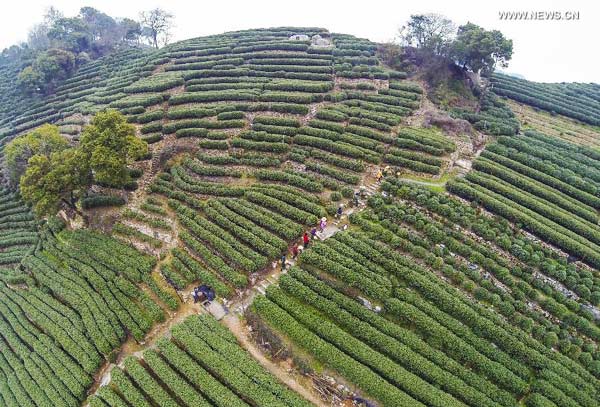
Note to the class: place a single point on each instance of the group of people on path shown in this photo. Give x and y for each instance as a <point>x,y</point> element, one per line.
<point>361,193</point>
<point>307,237</point>
<point>296,249</point>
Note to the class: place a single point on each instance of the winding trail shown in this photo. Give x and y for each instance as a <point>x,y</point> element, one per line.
<point>232,322</point>
<point>131,347</point>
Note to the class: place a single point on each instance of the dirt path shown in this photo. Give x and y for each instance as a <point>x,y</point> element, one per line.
<point>258,287</point>
<point>232,322</point>
<point>417,117</point>
<point>424,183</point>
<point>131,347</point>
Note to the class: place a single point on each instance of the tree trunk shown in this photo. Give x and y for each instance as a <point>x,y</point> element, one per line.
<point>72,205</point>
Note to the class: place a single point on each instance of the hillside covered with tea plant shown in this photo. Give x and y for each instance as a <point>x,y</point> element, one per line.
<point>366,244</point>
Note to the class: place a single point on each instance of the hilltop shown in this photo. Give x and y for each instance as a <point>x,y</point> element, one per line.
<point>463,269</point>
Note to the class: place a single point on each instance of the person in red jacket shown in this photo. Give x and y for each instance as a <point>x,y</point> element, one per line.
<point>295,250</point>
<point>305,239</point>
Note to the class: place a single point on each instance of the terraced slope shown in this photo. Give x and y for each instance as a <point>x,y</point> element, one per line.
<point>255,136</point>
<point>276,131</point>
<point>464,319</point>
<point>547,185</point>
<point>18,234</point>
<point>202,365</point>
<point>575,100</point>
<point>76,301</point>
<point>556,125</point>
<point>91,89</point>
<point>491,116</point>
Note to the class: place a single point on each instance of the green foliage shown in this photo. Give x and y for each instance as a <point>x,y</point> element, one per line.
<point>44,140</point>
<point>574,100</point>
<point>230,115</point>
<point>48,69</point>
<point>155,83</point>
<point>61,320</point>
<point>335,196</point>
<point>547,261</point>
<point>109,144</point>
<point>481,50</point>
<point>331,355</point>
<point>96,201</point>
<point>289,178</point>
<point>429,327</point>
<point>147,117</point>
<point>49,181</point>
<point>60,44</point>
<point>494,116</point>
<point>428,32</point>
<point>136,100</point>
<point>507,190</point>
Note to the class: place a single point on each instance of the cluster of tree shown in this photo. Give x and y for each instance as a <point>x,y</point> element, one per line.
<point>470,46</point>
<point>50,172</point>
<point>59,44</point>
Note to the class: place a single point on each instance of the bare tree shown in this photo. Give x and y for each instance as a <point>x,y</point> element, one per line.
<point>156,26</point>
<point>52,15</point>
<point>37,38</point>
<point>429,32</point>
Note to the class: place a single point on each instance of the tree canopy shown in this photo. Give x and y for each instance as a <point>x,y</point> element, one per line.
<point>430,32</point>
<point>49,181</point>
<point>59,44</point>
<point>43,141</point>
<point>109,144</point>
<point>470,46</point>
<point>480,50</point>
<point>56,174</point>
<point>47,69</point>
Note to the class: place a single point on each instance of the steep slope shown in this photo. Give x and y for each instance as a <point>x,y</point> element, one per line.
<point>576,100</point>
<point>556,125</point>
<point>92,88</point>
<point>454,328</point>
<point>250,110</point>
<point>202,365</point>
<point>418,298</point>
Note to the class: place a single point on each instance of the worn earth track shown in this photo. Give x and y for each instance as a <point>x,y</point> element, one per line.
<point>238,304</point>
<point>234,324</point>
<point>231,320</point>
